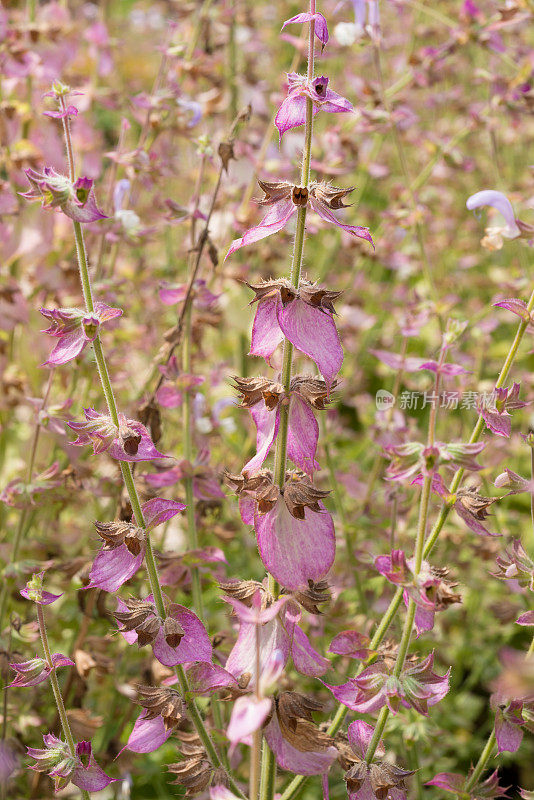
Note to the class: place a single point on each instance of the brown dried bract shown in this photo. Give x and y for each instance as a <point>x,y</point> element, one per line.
<point>382,776</point>
<point>300,493</point>
<point>295,718</point>
<point>299,195</point>
<point>255,389</point>
<point>474,502</point>
<point>316,296</point>
<point>241,590</point>
<point>141,617</point>
<point>194,772</point>
<point>160,701</point>
<point>330,195</point>
<point>317,594</point>
<point>260,485</point>
<point>313,390</point>
<point>270,288</point>
<point>118,533</point>
<point>274,191</point>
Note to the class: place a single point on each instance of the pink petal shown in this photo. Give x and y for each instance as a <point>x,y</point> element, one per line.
<point>267,422</point>
<point>321,28</point>
<point>526,619</point>
<point>242,658</point>
<point>450,781</point>
<point>159,510</point>
<point>306,659</point>
<point>169,397</point>
<point>107,313</point>
<point>291,113</point>
<point>195,644</point>
<point>350,643</point>
<point>248,715</point>
<point>112,568</point>
<point>313,332</point>
<point>509,735</point>
<point>293,760</point>
<point>246,509</point>
<point>275,219</point>
<point>296,551</point>
<point>360,734</point>
<point>69,346</point>
<point>324,212</point>
<point>205,677</point>
<point>266,333</point>
<point>302,435</point>
<point>147,735</point>
<point>518,307</point>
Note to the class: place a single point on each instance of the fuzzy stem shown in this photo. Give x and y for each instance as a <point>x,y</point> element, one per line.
<point>482,761</point>
<point>268,776</point>
<point>55,688</point>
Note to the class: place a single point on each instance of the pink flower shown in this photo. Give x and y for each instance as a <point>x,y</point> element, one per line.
<point>76,200</point>
<point>179,638</point>
<point>495,409</point>
<point>369,781</point>
<point>265,399</point>
<point>34,591</point>
<point>75,329</point>
<point>292,112</point>
<point>35,671</point>
<point>429,589</point>
<point>510,716</point>
<point>125,545</point>
<point>417,687</point>
<point>304,316</point>
<point>295,532</point>
<point>320,28</point>
<point>484,790</point>
<point>130,441</point>
<point>64,768</point>
<point>284,198</point>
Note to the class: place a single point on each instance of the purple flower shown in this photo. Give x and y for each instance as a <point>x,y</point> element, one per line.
<point>292,112</point>
<point>284,198</point>
<point>429,589</point>
<point>295,532</point>
<point>34,591</point>
<point>76,200</point>
<point>516,566</point>
<point>484,790</point>
<point>75,329</point>
<point>178,639</point>
<point>498,201</point>
<point>409,459</point>
<point>265,399</point>
<point>510,716</point>
<point>417,687</point>
<point>35,671</point>
<point>125,545</point>
<point>80,769</point>
<point>495,409</point>
<point>304,316</point>
<point>370,781</point>
<point>320,28</point>
<point>130,441</point>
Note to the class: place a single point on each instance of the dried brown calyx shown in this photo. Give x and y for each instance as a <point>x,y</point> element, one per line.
<point>442,594</point>
<point>160,701</point>
<point>382,776</point>
<point>314,596</point>
<point>295,717</point>
<point>150,416</point>
<point>241,590</point>
<point>118,533</point>
<point>330,195</point>
<point>274,191</point>
<point>267,289</point>
<point>316,296</point>
<point>299,195</point>
<point>142,618</point>
<point>194,772</point>
<point>474,502</point>
<point>313,390</point>
<point>252,390</point>
<point>129,439</point>
<point>298,491</point>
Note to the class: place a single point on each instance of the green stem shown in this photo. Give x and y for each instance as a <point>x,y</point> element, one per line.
<point>188,455</point>
<point>268,770</point>
<point>55,688</point>
<point>482,761</point>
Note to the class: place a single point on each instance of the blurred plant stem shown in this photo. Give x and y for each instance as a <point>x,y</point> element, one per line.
<point>129,482</point>
<point>22,528</point>
<point>55,688</point>
<point>197,30</point>
<point>268,776</point>
<point>296,784</point>
<point>399,144</point>
<point>233,106</point>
